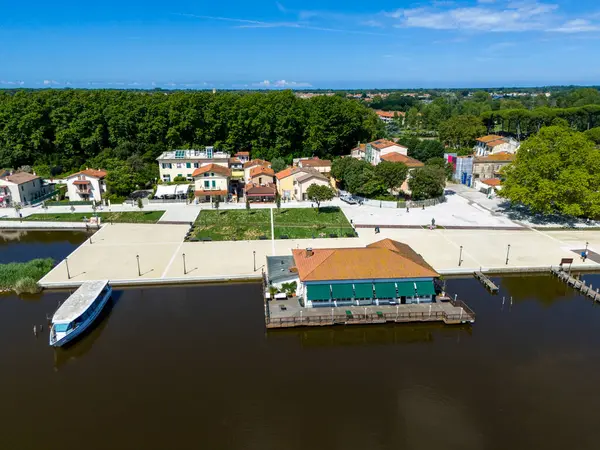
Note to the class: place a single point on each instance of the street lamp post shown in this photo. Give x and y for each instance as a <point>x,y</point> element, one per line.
<point>184,269</point>
<point>460,257</point>
<point>254,257</point>
<point>507,253</point>
<point>586,246</point>
<point>67,264</point>
<point>138,264</point>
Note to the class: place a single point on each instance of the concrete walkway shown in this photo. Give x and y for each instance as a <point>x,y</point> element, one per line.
<point>113,253</point>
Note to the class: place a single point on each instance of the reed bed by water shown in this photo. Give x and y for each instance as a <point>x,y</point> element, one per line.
<point>23,277</point>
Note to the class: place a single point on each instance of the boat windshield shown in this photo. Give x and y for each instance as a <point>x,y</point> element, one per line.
<point>61,327</point>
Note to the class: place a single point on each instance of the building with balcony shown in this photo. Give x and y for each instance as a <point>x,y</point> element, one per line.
<point>493,144</point>
<point>87,185</point>
<point>251,165</point>
<point>22,188</point>
<point>183,163</point>
<point>211,182</point>
<point>293,182</point>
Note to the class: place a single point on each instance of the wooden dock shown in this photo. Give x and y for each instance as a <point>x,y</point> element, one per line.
<point>489,285</point>
<point>577,284</point>
<point>455,313</point>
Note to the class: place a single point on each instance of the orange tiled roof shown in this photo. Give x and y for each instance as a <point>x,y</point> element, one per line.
<point>212,168</point>
<point>380,144</point>
<point>91,173</point>
<point>390,114</point>
<point>257,162</point>
<point>242,154</point>
<point>261,170</point>
<point>495,143</point>
<point>287,172</point>
<point>234,161</point>
<point>399,157</point>
<point>266,190</point>
<point>315,162</point>
<point>385,259</point>
<point>492,182</point>
<point>498,157</point>
<point>489,138</point>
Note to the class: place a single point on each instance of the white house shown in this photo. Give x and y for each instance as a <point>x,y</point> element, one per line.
<point>211,181</point>
<point>493,144</point>
<point>22,188</point>
<point>373,151</point>
<point>87,185</point>
<point>182,163</point>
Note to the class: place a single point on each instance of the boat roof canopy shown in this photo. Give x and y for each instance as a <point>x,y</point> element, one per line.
<point>79,301</point>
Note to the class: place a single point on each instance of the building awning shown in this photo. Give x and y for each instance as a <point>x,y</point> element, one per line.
<point>211,193</point>
<point>406,289</point>
<point>363,290</point>
<point>385,290</point>
<point>318,292</point>
<point>81,182</point>
<point>425,288</point>
<point>342,291</point>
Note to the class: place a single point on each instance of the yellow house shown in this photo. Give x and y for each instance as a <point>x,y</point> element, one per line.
<point>293,182</point>
<point>210,182</point>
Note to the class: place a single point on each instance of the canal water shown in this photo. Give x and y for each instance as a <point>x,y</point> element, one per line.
<point>193,367</point>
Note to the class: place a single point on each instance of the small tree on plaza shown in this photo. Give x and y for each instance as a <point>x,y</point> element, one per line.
<point>140,204</point>
<point>278,200</point>
<point>217,202</point>
<point>318,194</point>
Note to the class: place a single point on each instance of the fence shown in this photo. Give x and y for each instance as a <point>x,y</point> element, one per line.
<point>68,203</point>
<point>167,200</point>
<point>422,203</point>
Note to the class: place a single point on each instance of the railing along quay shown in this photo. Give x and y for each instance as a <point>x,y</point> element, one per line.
<point>466,315</point>
<point>577,284</point>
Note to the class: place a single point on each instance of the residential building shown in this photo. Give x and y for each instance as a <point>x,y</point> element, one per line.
<point>237,168</point>
<point>320,165</point>
<point>389,116</point>
<point>260,192</point>
<point>251,165</point>
<point>22,188</point>
<point>87,185</point>
<point>260,175</point>
<point>293,182</point>
<point>486,167</point>
<point>358,152</point>
<point>382,272</point>
<point>376,149</point>
<point>210,182</point>
<point>244,157</point>
<point>182,163</point>
<point>464,170</point>
<point>493,144</point>
<point>488,186</point>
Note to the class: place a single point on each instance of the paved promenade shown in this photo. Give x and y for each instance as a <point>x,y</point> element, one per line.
<point>113,250</point>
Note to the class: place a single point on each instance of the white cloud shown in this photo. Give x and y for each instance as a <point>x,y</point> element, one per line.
<point>12,83</point>
<point>576,26</point>
<point>50,83</point>
<point>281,84</point>
<point>515,16</point>
<point>373,23</point>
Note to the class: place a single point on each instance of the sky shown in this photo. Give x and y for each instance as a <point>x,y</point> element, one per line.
<point>237,44</point>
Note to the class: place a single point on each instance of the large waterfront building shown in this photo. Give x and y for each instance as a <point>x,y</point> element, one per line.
<point>182,163</point>
<point>383,272</point>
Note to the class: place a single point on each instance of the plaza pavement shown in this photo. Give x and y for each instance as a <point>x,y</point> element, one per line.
<point>111,253</point>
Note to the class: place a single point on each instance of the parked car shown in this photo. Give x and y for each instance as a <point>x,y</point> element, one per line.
<point>348,199</point>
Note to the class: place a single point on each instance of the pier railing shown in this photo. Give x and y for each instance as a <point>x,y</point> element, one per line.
<point>467,315</point>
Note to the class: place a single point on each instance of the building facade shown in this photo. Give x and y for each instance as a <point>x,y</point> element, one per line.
<point>486,167</point>
<point>493,144</point>
<point>384,272</point>
<point>376,149</point>
<point>252,165</point>
<point>87,185</point>
<point>320,165</point>
<point>211,182</point>
<point>182,163</point>
<point>22,188</point>
<point>293,182</point>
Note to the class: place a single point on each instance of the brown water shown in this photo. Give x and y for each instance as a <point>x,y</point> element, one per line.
<point>193,367</point>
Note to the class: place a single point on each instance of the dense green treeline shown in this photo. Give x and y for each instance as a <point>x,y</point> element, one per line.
<point>68,128</point>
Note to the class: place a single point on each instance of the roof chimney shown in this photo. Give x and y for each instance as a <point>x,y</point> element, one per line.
<point>309,252</point>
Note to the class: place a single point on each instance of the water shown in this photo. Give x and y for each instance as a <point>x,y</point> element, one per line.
<point>193,367</point>
<point>24,245</point>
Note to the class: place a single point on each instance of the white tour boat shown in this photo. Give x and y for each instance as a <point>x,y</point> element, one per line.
<point>78,312</point>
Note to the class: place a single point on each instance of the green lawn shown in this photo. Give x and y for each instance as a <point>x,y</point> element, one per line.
<point>116,217</point>
<point>294,223</point>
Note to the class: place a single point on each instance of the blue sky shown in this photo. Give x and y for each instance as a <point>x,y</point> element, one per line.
<point>299,44</point>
